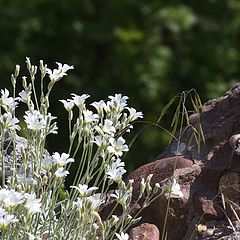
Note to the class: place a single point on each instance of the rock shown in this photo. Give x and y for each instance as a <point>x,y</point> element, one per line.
<point>197,172</point>
<point>144,231</point>
<point>178,208</point>
<point>161,170</point>
<point>194,119</point>
<point>21,143</point>
<point>208,208</point>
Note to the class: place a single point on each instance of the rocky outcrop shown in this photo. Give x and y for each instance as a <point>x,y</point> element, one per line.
<point>197,172</point>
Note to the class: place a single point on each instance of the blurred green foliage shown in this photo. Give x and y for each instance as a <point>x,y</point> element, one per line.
<point>148,50</point>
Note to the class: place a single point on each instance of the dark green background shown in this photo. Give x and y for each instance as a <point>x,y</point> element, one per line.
<point>148,50</point>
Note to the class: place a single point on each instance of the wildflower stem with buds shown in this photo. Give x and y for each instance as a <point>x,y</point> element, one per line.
<point>33,201</point>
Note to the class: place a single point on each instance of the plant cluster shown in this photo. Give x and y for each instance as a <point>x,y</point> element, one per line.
<point>30,202</point>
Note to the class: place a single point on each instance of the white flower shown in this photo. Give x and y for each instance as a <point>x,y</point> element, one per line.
<point>121,196</point>
<point>118,102</point>
<point>51,128</point>
<point>174,191</point>
<point>133,114</point>
<point>60,173</point>
<point>78,203</point>
<point>119,99</point>
<point>122,236</point>
<point>9,122</point>
<point>13,199</point>
<point>99,105</point>
<point>100,141</point>
<point>56,74</point>
<point>83,190</point>
<point>4,96</point>
<point>106,128</point>
<point>6,101</point>
<point>115,218</point>
<point>117,146</point>
<point>63,68</point>
<point>6,219</point>
<point>25,96</point>
<point>96,201</point>
<point>47,164</point>
<point>68,104</point>
<point>116,170</point>
<point>3,194</point>
<point>32,203</point>
<point>34,120</point>
<point>117,194</point>
<point>89,117</point>
<point>61,160</point>
<point>2,212</point>
<point>79,100</point>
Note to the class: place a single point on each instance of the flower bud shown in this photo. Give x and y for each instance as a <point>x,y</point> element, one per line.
<point>19,188</point>
<point>130,183</point>
<point>17,70</point>
<point>142,188</point>
<point>156,188</point>
<point>41,66</point>
<point>135,220</point>
<point>34,70</point>
<point>114,219</point>
<point>148,184</point>
<point>24,81</point>
<point>45,180</point>
<point>28,63</point>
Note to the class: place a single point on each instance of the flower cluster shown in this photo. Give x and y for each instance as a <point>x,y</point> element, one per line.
<point>13,204</point>
<point>104,128</point>
<point>33,201</point>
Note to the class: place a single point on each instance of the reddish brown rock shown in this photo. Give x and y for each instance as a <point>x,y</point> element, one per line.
<point>177,222</point>
<point>198,173</point>
<point>144,231</point>
<point>160,169</point>
<point>208,208</point>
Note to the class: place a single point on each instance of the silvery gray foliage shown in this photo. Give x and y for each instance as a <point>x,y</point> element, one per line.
<point>32,180</point>
<point>16,150</point>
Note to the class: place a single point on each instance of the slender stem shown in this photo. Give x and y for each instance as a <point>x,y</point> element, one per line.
<point>34,92</point>
<point>2,159</point>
